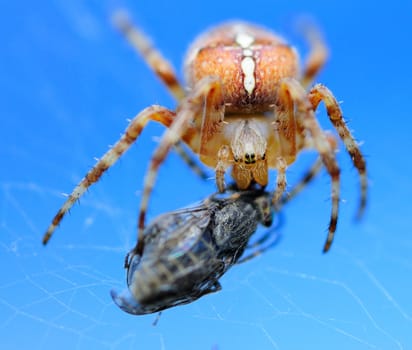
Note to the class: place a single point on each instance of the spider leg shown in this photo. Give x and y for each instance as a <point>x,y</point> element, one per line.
<point>155,60</point>
<point>190,161</point>
<point>309,175</point>
<point>321,93</point>
<point>306,116</point>
<point>163,69</point>
<point>130,135</point>
<point>260,247</point>
<point>191,108</point>
<point>211,124</point>
<point>284,129</point>
<point>223,163</point>
<point>280,181</point>
<point>318,53</point>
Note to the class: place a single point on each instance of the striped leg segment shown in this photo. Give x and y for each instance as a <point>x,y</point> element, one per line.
<point>317,56</point>
<point>163,69</point>
<point>321,93</point>
<point>191,161</point>
<point>305,112</point>
<point>310,174</point>
<point>132,132</point>
<point>155,60</point>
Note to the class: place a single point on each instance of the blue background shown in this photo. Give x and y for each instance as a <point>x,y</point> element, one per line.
<point>69,81</point>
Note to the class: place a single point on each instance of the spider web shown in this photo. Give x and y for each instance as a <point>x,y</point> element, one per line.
<point>59,295</point>
<point>292,297</point>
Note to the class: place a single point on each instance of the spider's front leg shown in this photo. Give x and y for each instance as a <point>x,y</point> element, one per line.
<point>154,58</point>
<point>307,177</point>
<point>132,132</point>
<point>306,117</point>
<point>211,130</point>
<point>163,70</point>
<point>198,113</point>
<point>321,93</point>
<point>318,53</point>
<point>310,174</point>
<point>284,129</point>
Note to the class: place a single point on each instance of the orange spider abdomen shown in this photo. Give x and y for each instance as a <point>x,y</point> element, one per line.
<point>249,61</point>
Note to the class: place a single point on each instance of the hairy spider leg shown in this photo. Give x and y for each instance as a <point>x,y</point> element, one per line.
<point>285,131</point>
<point>318,53</point>
<point>132,132</point>
<point>307,177</point>
<point>141,43</point>
<point>203,103</point>
<point>306,117</point>
<point>260,247</point>
<point>309,174</point>
<point>321,93</point>
<point>165,72</point>
<point>191,161</point>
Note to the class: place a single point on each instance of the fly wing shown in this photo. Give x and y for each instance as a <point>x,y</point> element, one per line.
<point>177,232</point>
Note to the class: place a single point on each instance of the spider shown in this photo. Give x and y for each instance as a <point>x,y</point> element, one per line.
<point>247,106</point>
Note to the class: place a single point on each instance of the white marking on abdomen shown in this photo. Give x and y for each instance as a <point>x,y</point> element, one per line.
<point>248,64</point>
<point>244,40</point>
<point>248,68</point>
